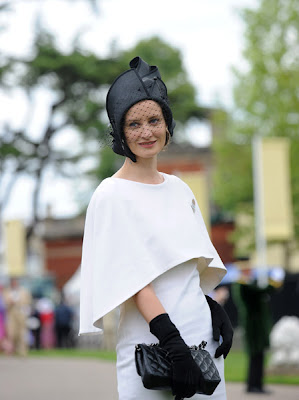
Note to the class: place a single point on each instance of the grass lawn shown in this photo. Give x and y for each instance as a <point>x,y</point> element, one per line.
<point>235,363</point>
<point>236,367</point>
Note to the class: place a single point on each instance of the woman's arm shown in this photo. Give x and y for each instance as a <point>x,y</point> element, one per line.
<point>185,373</point>
<point>148,303</point>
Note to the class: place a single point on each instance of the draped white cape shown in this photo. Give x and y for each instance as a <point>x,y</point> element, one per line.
<point>135,232</point>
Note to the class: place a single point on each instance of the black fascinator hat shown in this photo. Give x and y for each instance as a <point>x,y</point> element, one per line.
<point>141,82</point>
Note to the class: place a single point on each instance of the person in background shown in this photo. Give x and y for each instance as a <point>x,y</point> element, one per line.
<point>255,317</point>
<point>63,323</point>
<point>2,320</point>
<point>34,323</point>
<point>45,307</point>
<point>17,300</point>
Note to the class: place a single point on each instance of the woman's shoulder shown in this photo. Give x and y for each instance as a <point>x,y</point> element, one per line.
<point>172,178</point>
<point>176,180</point>
<point>105,191</point>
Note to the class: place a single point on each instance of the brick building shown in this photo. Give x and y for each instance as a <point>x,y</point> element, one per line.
<point>62,242</point>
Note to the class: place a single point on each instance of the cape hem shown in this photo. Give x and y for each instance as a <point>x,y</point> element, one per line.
<point>218,273</point>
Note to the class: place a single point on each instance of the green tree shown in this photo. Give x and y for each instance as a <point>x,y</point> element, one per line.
<point>266,103</point>
<point>76,82</point>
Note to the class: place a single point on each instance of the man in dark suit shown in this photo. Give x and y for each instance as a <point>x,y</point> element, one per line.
<point>254,311</point>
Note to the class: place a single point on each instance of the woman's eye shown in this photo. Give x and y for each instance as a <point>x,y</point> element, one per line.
<point>133,125</point>
<point>154,120</point>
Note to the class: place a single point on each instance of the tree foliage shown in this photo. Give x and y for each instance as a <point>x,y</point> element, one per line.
<point>266,102</point>
<point>266,94</point>
<point>75,81</point>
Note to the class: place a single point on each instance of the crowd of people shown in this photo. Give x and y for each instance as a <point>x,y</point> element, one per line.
<point>27,322</point>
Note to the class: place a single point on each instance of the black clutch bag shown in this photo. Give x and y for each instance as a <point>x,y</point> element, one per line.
<point>154,367</point>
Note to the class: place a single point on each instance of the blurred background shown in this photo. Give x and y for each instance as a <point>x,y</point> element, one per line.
<point>232,72</point>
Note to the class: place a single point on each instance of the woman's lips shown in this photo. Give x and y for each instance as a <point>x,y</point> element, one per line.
<point>147,144</point>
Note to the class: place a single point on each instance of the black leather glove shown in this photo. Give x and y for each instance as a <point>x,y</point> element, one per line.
<point>221,326</point>
<point>185,373</point>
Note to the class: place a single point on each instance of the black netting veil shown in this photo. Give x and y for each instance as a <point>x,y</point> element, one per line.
<point>141,82</point>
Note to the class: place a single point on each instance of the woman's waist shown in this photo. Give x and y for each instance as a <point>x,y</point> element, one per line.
<point>188,313</point>
<point>173,299</point>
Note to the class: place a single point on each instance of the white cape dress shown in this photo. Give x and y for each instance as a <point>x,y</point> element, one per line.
<point>135,232</point>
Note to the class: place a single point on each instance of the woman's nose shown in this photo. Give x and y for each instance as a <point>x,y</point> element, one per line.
<point>146,131</point>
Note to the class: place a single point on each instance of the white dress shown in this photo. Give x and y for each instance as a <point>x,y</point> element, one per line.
<point>179,291</point>
<point>136,234</point>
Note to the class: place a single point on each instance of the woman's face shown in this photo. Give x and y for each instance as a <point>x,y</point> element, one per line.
<point>145,129</point>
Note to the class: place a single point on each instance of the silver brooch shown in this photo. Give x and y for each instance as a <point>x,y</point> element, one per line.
<point>193,205</point>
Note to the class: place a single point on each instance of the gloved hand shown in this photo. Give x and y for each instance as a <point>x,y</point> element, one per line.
<point>221,326</point>
<point>185,372</point>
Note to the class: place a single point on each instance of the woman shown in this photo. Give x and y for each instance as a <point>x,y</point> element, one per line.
<point>146,248</point>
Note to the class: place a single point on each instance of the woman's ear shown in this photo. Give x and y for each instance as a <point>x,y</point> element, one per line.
<point>167,137</point>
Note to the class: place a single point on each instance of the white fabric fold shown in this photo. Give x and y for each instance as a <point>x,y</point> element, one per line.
<point>135,232</point>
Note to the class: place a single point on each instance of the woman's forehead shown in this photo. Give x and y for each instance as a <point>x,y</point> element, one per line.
<point>144,108</point>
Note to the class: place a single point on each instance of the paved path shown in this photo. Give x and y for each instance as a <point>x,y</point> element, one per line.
<point>86,379</point>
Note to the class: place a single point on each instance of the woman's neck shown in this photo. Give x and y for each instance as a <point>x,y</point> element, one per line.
<point>144,170</point>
